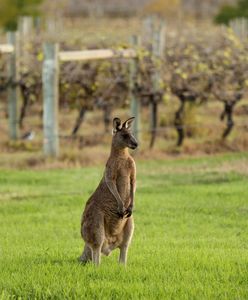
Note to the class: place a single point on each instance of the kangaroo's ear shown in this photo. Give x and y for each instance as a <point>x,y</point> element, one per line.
<point>116,125</point>
<point>127,124</point>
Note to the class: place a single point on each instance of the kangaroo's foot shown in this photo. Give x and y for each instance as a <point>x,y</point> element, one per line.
<point>82,260</point>
<point>86,255</point>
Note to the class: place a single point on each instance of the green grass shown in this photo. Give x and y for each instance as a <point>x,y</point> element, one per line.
<point>190,241</point>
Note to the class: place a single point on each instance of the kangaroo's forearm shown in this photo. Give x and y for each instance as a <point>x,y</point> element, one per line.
<point>113,189</point>
<point>132,192</point>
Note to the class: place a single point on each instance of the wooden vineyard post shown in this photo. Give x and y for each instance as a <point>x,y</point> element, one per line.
<point>158,46</point>
<point>50,80</point>
<point>148,31</point>
<point>135,105</point>
<point>25,25</point>
<point>13,93</point>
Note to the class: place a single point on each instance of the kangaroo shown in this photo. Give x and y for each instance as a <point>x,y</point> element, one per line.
<point>107,221</point>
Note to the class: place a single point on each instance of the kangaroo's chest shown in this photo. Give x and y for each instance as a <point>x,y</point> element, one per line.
<point>123,179</point>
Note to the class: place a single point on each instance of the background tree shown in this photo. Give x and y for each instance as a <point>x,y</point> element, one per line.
<point>230,12</point>
<point>10,11</point>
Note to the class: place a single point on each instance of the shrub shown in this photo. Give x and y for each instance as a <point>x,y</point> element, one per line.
<point>229,12</point>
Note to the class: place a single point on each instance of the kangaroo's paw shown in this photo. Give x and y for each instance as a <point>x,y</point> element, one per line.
<point>128,212</point>
<point>121,212</point>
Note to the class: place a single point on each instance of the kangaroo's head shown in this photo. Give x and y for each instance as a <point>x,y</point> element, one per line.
<point>122,136</point>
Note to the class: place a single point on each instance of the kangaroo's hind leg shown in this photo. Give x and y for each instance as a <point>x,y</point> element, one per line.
<point>94,234</point>
<point>127,236</point>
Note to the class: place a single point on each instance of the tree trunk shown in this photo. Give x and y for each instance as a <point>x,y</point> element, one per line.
<point>178,122</point>
<point>25,99</point>
<point>107,113</point>
<point>228,112</point>
<point>154,119</point>
<point>79,120</point>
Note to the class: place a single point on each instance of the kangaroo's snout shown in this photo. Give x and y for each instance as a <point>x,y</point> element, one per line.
<point>134,144</point>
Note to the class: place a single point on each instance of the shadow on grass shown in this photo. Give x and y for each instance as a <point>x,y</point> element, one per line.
<point>212,180</point>
<point>56,261</point>
<point>203,179</point>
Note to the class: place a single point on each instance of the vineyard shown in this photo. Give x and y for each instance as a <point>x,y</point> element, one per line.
<point>189,84</point>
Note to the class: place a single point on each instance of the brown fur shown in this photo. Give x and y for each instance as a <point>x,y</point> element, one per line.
<point>107,221</point>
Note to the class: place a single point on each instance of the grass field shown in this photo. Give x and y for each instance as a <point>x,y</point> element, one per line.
<point>190,241</point>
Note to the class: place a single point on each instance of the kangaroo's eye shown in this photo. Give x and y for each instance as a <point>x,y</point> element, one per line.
<point>125,135</point>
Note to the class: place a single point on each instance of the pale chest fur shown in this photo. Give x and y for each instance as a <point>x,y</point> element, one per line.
<point>124,170</point>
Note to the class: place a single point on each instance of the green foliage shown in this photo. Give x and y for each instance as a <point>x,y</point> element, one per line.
<point>226,14</point>
<point>229,12</point>
<point>190,239</point>
<point>243,4</point>
<point>11,10</point>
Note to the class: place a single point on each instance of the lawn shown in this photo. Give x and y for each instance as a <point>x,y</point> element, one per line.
<point>190,241</point>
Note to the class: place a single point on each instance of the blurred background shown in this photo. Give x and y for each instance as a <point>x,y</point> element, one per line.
<point>186,85</point>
